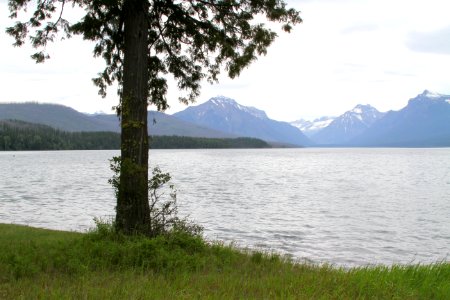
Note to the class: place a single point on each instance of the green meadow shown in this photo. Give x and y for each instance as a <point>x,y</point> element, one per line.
<point>47,264</point>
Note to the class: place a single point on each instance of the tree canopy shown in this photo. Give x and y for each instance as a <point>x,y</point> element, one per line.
<point>190,40</point>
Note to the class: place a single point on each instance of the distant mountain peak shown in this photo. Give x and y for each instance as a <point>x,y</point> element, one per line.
<point>363,112</point>
<point>360,108</point>
<point>224,102</point>
<point>225,114</point>
<point>430,94</point>
<point>348,125</point>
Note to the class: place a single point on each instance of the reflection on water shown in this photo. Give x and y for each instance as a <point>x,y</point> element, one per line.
<point>342,206</point>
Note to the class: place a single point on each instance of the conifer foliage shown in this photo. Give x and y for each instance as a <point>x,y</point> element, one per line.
<point>143,42</point>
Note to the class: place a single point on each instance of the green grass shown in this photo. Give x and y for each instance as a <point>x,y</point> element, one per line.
<point>45,264</point>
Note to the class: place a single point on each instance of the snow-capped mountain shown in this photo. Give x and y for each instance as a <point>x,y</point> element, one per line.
<point>425,121</point>
<point>309,128</point>
<point>225,114</point>
<point>428,95</point>
<point>231,104</point>
<point>347,126</point>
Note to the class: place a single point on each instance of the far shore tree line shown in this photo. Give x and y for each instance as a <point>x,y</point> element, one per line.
<point>23,136</point>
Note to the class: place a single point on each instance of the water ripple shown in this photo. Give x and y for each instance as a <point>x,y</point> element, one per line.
<point>340,206</point>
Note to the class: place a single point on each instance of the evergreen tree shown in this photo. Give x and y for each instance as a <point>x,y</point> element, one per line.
<point>142,42</point>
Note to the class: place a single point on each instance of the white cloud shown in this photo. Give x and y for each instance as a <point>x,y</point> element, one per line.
<point>344,53</point>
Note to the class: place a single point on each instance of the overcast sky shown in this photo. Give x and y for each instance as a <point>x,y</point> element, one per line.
<point>346,52</point>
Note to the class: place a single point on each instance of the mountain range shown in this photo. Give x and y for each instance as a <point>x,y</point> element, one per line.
<point>233,120</point>
<point>424,122</point>
<point>68,119</point>
<point>348,126</point>
<point>226,115</point>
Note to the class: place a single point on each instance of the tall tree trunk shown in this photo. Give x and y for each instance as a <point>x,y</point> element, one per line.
<point>133,213</point>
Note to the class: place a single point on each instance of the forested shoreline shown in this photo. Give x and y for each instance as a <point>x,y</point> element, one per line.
<point>23,136</point>
<point>186,142</point>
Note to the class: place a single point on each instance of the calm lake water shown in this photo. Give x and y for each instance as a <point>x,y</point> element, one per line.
<point>341,206</point>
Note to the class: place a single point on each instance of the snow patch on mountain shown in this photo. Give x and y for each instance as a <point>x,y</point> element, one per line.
<point>366,114</point>
<point>225,102</point>
<point>430,94</point>
<point>309,127</point>
<point>321,123</point>
<point>357,110</point>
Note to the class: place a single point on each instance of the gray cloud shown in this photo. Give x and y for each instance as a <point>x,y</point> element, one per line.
<point>437,42</point>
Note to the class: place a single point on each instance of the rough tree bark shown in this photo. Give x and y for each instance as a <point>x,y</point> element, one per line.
<point>133,213</point>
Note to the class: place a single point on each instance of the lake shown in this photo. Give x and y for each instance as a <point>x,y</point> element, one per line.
<point>346,207</point>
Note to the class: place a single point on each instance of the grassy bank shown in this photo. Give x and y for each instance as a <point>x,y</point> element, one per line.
<point>38,263</point>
